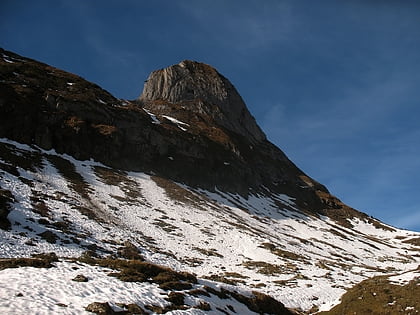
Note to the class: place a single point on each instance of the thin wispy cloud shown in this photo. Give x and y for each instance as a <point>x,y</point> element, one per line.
<point>242,28</point>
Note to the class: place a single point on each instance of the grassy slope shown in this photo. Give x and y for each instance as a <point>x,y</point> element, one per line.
<point>378,296</point>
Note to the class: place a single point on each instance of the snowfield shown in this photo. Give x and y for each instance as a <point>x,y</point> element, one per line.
<point>262,243</point>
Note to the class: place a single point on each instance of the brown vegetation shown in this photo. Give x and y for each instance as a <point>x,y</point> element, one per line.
<point>38,261</point>
<point>377,296</point>
<point>141,271</point>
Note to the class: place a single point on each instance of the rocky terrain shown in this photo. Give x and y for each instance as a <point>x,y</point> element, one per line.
<point>174,203</point>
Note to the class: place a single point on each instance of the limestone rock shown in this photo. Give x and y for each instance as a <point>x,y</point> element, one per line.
<point>80,278</point>
<point>202,89</point>
<point>100,308</point>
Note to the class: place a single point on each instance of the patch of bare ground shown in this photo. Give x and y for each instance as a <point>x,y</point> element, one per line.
<point>38,204</point>
<point>343,230</point>
<point>141,271</point>
<point>337,233</point>
<point>37,261</point>
<point>377,296</point>
<point>191,261</point>
<point>167,227</point>
<point>413,241</point>
<point>262,303</point>
<point>207,231</point>
<point>129,251</point>
<point>49,236</point>
<point>376,223</point>
<point>315,241</point>
<point>27,160</point>
<point>332,264</point>
<point>283,253</point>
<point>180,194</point>
<point>377,240</point>
<point>118,178</point>
<point>232,278</point>
<point>179,285</point>
<point>77,183</point>
<point>257,302</point>
<point>235,275</point>
<point>104,308</point>
<point>208,252</point>
<point>264,267</point>
<point>402,258</point>
<point>68,171</point>
<point>223,279</point>
<point>243,226</point>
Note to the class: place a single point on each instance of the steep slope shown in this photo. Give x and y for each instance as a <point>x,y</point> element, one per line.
<point>67,206</point>
<point>50,108</point>
<point>84,174</point>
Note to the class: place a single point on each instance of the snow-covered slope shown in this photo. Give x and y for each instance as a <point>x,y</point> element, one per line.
<point>262,243</point>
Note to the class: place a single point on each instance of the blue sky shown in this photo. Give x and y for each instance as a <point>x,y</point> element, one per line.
<point>335,84</point>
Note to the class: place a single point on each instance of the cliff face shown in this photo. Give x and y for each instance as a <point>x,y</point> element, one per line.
<point>201,89</point>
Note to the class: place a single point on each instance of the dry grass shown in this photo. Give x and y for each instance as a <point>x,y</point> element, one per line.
<point>38,261</point>
<point>74,122</point>
<point>105,130</point>
<point>377,296</point>
<point>118,178</point>
<point>167,227</point>
<point>223,279</point>
<point>335,232</point>
<point>141,271</point>
<point>264,267</point>
<point>68,171</point>
<point>262,303</point>
<point>129,251</point>
<point>235,275</point>
<point>208,252</point>
<point>282,253</point>
<point>180,194</point>
<point>77,183</point>
<point>413,241</point>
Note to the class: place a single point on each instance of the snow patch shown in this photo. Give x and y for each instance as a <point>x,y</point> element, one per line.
<point>152,116</point>
<point>180,124</point>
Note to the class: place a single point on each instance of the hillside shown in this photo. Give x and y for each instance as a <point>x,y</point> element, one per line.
<point>162,206</point>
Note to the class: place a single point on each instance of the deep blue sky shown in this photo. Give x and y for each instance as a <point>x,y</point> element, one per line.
<point>335,84</point>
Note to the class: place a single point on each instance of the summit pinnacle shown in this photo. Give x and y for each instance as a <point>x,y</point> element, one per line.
<point>202,89</point>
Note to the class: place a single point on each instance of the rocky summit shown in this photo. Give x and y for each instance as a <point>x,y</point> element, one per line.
<point>200,88</point>
<point>174,203</point>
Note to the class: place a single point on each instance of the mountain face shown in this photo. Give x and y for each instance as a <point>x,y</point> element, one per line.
<point>208,132</point>
<point>177,195</point>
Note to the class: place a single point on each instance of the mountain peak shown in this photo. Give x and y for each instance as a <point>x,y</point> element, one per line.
<point>202,89</point>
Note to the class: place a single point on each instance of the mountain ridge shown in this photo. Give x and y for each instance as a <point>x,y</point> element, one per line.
<point>80,120</point>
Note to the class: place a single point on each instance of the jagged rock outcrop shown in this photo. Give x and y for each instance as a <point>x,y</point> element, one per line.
<point>202,89</point>
<point>214,141</point>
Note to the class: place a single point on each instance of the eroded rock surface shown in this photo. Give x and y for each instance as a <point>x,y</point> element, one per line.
<point>202,89</point>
